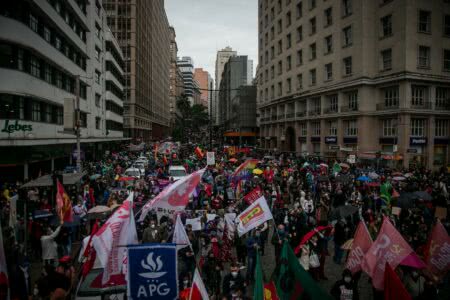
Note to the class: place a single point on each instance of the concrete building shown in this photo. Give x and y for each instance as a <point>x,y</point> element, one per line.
<point>142,29</point>
<point>221,59</point>
<point>234,75</point>
<point>250,71</point>
<point>204,79</point>
<point>186,65</point>
<point>44,47</point>
<point>173,76</point>
<point>361,77</point>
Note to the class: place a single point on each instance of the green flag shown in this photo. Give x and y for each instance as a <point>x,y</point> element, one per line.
<point>258,290</point>
<point>293,282</point>
<point>385,191</point>
<point>336,168</point>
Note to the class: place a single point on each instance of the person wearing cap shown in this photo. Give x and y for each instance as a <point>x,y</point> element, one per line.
<point>345,288</point>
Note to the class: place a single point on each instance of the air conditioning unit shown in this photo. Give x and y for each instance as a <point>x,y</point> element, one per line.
<point>69,114</point>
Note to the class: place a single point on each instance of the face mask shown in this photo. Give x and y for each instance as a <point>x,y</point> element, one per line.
<point>186,282</point>
<point>234,274</point>
<point>35,292</point>
<point>415,274</point>
<point>347,279</point>
<point>152,226</point>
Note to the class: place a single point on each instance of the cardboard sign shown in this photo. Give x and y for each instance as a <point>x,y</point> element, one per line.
<point>396,211</point>
<point>351,159</point>
<point>210,158</point>
<point>441,212</point>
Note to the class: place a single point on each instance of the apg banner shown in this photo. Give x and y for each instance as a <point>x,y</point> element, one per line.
<point>152,272</point>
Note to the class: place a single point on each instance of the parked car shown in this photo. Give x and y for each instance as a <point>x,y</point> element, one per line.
<point>133,172</point>
<point>177,172</point>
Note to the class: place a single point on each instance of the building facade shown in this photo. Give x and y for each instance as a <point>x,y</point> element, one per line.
<point>186,65</point>
<point>44,47</point>
<point>142,29</point>
<point>204,79</point>
<point>173,76</point>
<point>361,77</point>
<point>222,58</point>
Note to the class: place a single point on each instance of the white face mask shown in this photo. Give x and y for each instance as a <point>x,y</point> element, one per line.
<point>347,279</point>
<point>234,274</point>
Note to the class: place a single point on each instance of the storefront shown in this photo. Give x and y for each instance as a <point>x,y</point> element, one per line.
<point>440,152</point>
<point>417,151</point>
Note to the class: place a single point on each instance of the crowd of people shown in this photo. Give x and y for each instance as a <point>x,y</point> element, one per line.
<point>303,194</point>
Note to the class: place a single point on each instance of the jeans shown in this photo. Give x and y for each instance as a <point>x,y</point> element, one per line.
<point>251,267</point>
<point>338,252</point>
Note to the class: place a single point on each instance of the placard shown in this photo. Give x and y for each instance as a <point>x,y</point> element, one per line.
<point>441,212</point>
<point>396,210</point>
<point>351,159</point>
<point>210,158</point>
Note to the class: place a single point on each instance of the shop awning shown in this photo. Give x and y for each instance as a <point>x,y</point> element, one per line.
<point>234,133</point>
<point>46,180</point>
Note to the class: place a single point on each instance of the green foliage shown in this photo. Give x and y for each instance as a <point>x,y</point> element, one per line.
<point>189,119</point>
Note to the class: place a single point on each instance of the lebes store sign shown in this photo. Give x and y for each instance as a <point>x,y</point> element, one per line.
<point>10,127</point>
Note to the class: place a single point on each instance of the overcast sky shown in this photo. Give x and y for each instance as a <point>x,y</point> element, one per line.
<point>205,26</point>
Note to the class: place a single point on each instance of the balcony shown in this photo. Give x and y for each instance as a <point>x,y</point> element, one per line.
<point>290,115</point>
<point>281,117</point>
<point>347,108</point>
<point>423,105</point>
<point>300,114</point>
<point>314,112</point>
<point>383,106</point>
<point>331,110</point>
<point>442,106</point>
<point>273,117</point>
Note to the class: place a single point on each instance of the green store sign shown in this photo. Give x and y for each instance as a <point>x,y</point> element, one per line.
<point>16,126</point>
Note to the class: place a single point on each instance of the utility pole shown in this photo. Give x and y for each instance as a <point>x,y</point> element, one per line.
<point>78,121</point>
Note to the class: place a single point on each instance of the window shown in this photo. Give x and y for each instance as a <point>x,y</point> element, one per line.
<point>347,33</point>
<point>315,128</point>
<point>391,96</point>
<point>386,59</point>
<point>97,53</point>
<point>386,26</point>
<point>333,101</point>
<point>328,13</point>
<point>352,98</point>
<point>288,63</point>
<point>299,82</point>
<point>423,57</point>
<point>97,30</point>
<point>417,127</point>
<point>441,128</point>
<point>97,77</point>
<point>447,25</point>
<point>47,34</point>
<point>346,8</point>
<point>312,26</point>
<point>272,72</point>
<point>266,57</point>
<point>299,10</point>
<point>442,97</point>
<point>351,127</point>
<point>280,89</point>
<point>389,127</point>
<point>58,43</point>
<point>272,92</point>
<point>97,123</point>
<point>288,19</point>
<point>36,111</point>
<point>347,65</point>
<point>329,71</point>
<point>59,79</point>
<point>20,60</point>
<point>303,129</point>
<point>332,128</point>
<point>35,67</point>
<point>299,33</point>
<point>33,23</point>
<point>424,21</point>
<point>312,4</point>
<point>272,33</point>
<point>328,44</point>
<point>300,57</point>
<point>272,52</point>
<point>272,13</point>
<point>48,74</point>
<point>312,51</point>
<point>419,95</point>
<point>267,75</point>
<point>288,41</point>
<point>446,60</point>
<point>312,77</point>
<point>280,25</point>
<point>288,86</point>
<point>97,100</point>
<point>280,46</point>
<point>280,67</point>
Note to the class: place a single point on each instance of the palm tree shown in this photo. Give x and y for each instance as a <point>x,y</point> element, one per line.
<point>189,119</point>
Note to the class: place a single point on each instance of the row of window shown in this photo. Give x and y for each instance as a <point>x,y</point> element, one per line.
<point>113,107</point>
<point>113,125</point>
<point>14,57</point>
<point>22,13</point>
<point>29,109</point>
<point>111,87</point>
<point>117,74</point>
<point>109,47</point>
<point>64,10</point>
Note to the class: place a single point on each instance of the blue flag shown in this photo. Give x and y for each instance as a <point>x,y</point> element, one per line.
<point>152,272</point>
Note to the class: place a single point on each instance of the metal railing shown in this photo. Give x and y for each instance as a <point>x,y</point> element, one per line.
<point>383,106</point>
<point>347,108</point>
<point>423,105</point>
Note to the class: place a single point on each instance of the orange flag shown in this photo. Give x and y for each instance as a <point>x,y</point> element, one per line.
<point>63,204</point>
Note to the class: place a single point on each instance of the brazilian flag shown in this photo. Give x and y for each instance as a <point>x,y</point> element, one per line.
<point>293,282</point>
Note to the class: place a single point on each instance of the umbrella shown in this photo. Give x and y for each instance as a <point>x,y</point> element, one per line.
<point>344,165</point>
<point>406,200</point>
<point>422,195</point>
<point>324,165</point>
<point>347,245</point>
<point>99,209</point>
<point>95,176</point>
<point>126,179</point>
<point>363,178</point>
<point>257,171</point>
<point>397,174</point>
<point>399,178</point>
<point>310,234</point>
<point>344,211</point>
<point>373,175</point>
<point>233,160</point>
<point>306,164</point>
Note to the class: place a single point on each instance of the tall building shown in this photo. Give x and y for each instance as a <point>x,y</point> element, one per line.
<point>221,59</point>
<point>173,76</point>
<point>356,77</point>
<point>142,29</point>
<point>234,75</point>
<point>250,71</point>
<point>191,91</point>
<point>44,47</point>
<point>242,125</point>
<point>204,79</point>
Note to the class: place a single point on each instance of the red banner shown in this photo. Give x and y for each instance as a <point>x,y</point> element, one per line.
<point>254,195</point>
<point>437,254</point>
<point>361,243</point>
<point>389,247</point>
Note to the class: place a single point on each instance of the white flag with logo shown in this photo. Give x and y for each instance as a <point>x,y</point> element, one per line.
<point>180,237</point>
<point>256,214</point>
<point>111,239</point>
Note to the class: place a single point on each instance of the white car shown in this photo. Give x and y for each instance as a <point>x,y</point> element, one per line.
<point>140,166</point>
<point>133,172</point>
<point>143,160</point>
<point>177,172</point>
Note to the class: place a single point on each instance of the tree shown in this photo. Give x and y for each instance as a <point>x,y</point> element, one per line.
<point>189,119</point>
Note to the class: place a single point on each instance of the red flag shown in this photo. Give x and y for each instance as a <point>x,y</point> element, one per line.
<point>199,152</point>
<point>253,195</point>
<point>361,243</point>
<point>165,160</point>
<point>393,286</point>
<point>198,290</point>
<point>389,247</point>
<point>63,204</point>
<point>270,291</point>
<point>437,251</point>
<point>89,252</point>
